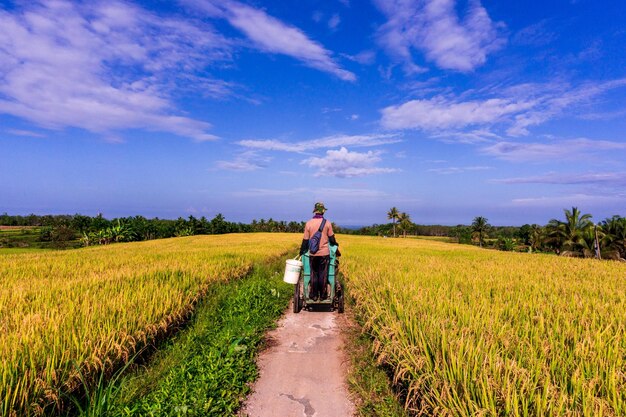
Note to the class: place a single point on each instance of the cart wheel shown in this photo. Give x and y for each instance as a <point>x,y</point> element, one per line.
<point>297,303</point>
<point>340,307</point>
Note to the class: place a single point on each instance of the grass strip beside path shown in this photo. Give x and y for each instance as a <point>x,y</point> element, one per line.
<point>206,369</point>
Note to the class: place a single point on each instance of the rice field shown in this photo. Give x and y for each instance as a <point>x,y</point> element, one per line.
<point>471,332</point>
<point>467,332</point>
<point>68,316</point>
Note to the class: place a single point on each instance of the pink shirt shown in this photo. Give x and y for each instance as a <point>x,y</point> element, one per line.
<point>311,228</point>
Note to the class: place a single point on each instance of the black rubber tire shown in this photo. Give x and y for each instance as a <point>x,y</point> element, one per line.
<point>340,306</point>
<point>297,303</point>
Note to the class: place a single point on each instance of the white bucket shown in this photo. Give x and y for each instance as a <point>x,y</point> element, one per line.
<point>292,271</point>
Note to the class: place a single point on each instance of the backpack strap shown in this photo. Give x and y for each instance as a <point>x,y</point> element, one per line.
<point>322,226</point>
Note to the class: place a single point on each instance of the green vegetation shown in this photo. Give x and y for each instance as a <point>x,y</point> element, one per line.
<point>405,223</point>
<point>34,237</point>
<point>576,236</point>
<point>72,231</point>
<point>205,370</point>
<point>393,214</point>
<point>480,226</point>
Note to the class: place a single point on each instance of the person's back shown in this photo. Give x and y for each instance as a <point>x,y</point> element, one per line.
<point>312,226</point>
<point>319,260</point>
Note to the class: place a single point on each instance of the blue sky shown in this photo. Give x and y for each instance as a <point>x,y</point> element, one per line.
<point>256,109</point>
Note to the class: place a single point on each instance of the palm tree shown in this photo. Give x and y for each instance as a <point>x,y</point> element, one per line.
<point>405,222</point>
<point>536,235</point>
<point>480,227</point>
<point>614,236</point>
<point>393,214</point>
<point>571,237</point>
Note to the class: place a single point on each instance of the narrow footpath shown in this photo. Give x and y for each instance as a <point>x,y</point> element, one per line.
<point>303,370</point>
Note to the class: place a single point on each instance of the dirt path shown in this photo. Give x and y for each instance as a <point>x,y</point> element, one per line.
<point>303,371</point>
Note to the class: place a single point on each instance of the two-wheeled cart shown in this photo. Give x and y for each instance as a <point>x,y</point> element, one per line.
<point>302,289</point>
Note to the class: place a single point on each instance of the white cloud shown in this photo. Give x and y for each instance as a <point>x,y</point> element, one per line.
<point>246,161</point>
<point>322,192</point>
<point>345,164</point>
<point>551,100</point>
<point>20,132</point>
<point>567,149</point>
<point>103,66</point>
<point>317,16</point>
<point>605,115</point>
<point>237,165</point>
<point>271,35</point>
<point>323,142</point>
<point>364,57</point>
<point>457,170</point>
<point>334,22</point>
<point>591,178</point>
<point>469,137</point>
<point>573,200</point>
<point>517,107</point>
<point>440,113</point>
<point>434,28</point>
<point>536,34</point>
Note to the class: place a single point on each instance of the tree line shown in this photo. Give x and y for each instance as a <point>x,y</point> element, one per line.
<point>78,229</point>
<point>576,235</point>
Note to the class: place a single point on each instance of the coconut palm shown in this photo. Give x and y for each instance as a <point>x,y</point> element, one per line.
<point>393,214</point>
<point>480,226</point>
<point>571,237</point>
<point>614,237</point>
<point>405,222</point>
<point>588,243</point>
<point>536,236</point>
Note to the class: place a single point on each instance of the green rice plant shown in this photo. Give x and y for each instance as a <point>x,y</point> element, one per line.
<point>477,332</point>
<point>66,317</point>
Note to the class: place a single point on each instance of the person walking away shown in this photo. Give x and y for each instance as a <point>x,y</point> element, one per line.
<point>320,260</point>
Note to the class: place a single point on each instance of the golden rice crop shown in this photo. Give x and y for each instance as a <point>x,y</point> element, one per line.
<point>64,315</point>
<point>473,332</point>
